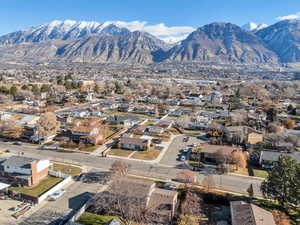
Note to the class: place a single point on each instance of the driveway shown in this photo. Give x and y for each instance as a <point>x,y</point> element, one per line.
<point>76,195</point>
<point>170,157</point>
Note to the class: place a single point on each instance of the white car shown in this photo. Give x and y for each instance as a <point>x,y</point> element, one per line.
<point>182,158</point>
<point>56,195</point>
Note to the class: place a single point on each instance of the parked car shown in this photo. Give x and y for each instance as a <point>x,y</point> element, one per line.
<point>156,141</point>
<point>7,150</point>
<point>184,150</point>
<point>183,158</point>
<point>194,144</point>
<point>170,186</point>
<point>56,195</point>
<point>186,139</point>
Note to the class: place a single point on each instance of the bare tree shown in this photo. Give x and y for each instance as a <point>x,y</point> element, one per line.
<point>127,201</point>
<point>208,183</point>
<point>9,129</point>
<point>48,124</point>
<point>186,176</point>
<point>239,159</point>
<point>120,168</point>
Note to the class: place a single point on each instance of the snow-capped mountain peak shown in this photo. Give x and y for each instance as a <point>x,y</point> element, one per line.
<point>250,26</point>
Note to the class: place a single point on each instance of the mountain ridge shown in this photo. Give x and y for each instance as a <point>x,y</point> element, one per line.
<point>218,42</point>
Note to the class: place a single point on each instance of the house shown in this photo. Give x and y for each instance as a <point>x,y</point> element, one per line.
<point>90,131</point>
<point>215,97</point>
<point>81,113</point>
<point>122,120</point>
<point>165,124</point>
<point>243,134</point>
<point>267,158</point>
<point>5,115</point>
<point>243,213</point>
<point>209,153</point>
<point>125,108</point>
<point>136,144</point>
<point>160,204</point>
<point>23,170</point>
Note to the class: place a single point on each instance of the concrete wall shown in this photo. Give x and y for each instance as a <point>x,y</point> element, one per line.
<point>54,189</point>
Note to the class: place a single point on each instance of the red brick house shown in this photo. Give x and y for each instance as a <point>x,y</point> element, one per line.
<point>24,171</point>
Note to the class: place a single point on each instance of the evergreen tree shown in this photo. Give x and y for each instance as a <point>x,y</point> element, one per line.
<point>283,182</point>
<point>13,91</point>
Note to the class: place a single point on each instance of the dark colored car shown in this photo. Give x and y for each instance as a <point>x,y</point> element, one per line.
<point>156,141</point>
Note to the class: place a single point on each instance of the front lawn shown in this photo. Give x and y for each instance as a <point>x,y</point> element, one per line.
<point>172,118</point>
<point>146,155</point>
<point>260,173</point>
<point>120,152</point>
<point>94,219</point>
<point>111,132</point>
<point>192,132</point>
<point>38,190</point>
<point>67,169</point>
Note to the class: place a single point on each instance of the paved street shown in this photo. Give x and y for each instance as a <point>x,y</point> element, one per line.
<point>167,168</point>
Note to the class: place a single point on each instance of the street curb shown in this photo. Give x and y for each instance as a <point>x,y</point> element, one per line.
<point>249,177</point>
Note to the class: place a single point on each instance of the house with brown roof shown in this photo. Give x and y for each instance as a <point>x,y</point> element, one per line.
<point>159,204</point>
<point>243,134</point>
<point>209,153</point>
<point>137,144</point>
<point>90,131</point>
<point>243,213</point>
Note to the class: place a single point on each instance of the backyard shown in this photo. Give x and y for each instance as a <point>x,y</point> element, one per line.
<point>67,169</point>
<point>41,188</point>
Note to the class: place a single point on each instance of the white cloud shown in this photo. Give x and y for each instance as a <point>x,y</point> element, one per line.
<point>289,17</point>
<point>168,34</point>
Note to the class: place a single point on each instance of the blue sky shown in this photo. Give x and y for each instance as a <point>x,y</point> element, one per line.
<point>18,14</point>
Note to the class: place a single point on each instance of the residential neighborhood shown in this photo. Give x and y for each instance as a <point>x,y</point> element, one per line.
<point>199,152</point>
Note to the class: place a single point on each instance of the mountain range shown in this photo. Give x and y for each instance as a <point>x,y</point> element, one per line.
<point>109,43</point>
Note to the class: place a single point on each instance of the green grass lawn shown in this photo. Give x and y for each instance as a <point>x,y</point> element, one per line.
<point>172,118</point>
<point>260,173</point>
<point>38,190</point>
<point>110,133</point>
<point>119,152</point>
<point>146,155</point>
<point>192,132</point>
<point>149,122</point>
<point>94,219</point>
<point>67,169</point>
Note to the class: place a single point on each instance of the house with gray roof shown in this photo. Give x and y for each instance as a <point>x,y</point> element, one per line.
<point>243,213</point>
<point>24,171</point>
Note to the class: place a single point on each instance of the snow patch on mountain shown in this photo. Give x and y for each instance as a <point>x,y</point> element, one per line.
<point>250,26</point>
